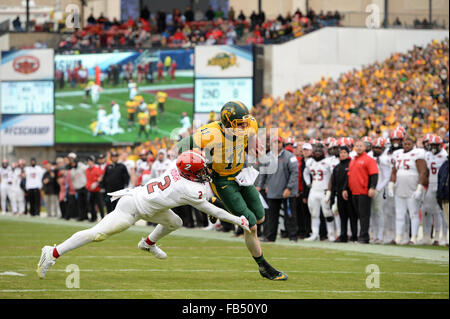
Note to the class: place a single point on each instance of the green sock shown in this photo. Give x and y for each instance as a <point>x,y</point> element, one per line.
<point>259,259</point>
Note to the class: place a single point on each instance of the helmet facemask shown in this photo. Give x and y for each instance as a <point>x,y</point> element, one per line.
<point>434,148</point>
<point>239,127</point>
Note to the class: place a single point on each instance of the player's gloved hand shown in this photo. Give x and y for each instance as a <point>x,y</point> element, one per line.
<point>327,196</point>
<point>334,209</point>
<point>244,223</point>
<point>391,189</point>
<point>417,195</point>
<point>94,185</point>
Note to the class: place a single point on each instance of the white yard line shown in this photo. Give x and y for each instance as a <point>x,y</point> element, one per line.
<point>431,255</point>
<point>232,291</point>
<point>247,271</point>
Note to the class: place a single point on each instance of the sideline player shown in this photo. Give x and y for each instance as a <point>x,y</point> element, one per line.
<point>409,176</point>
<point>436,156</point>
<point>183,184</point>
<point>319,195</point>
<point>6,186</point>
<point>226,144</point>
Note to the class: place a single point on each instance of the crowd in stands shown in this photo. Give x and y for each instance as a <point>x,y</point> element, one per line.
<point>408,88</point>
<point>177,29</point>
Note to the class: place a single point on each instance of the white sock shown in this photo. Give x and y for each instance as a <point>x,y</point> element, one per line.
<point>315,225</point>
<point>77,240</point>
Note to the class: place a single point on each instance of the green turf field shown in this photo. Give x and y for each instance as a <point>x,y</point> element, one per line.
<point>74,114</point>
<point>213,265</point>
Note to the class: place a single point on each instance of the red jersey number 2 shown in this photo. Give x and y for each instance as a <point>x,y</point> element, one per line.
<point>162,187</point>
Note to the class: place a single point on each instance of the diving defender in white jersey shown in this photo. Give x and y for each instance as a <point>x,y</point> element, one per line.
<point>187,183</point>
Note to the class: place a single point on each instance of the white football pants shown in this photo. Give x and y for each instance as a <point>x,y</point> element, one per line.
<point>316,201</point>
<point>377,216</point>
<point>120,219</point>
<point>7,192</point>
<point>19,198</point>
<point>402,206</point>
<point>389,219</point>
<point>431,213</point>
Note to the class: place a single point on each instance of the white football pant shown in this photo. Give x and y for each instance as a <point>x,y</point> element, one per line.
<point>7,192</point>
<point>389,219</point>
<point>120,219</point>
<point>19,198</point>
<point>431,213</point>
<point>377,216</point>
<point>402,206</point>
<point>316,201</point>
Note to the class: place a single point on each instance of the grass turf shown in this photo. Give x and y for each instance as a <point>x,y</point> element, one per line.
<point>202,264</point>
<point>74,115</point>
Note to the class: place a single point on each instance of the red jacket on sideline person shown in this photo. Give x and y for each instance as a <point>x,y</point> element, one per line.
<point>359,170</point>
<point>92,175</point>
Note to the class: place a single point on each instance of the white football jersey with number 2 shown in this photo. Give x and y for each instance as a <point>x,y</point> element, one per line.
<point>170,190</point>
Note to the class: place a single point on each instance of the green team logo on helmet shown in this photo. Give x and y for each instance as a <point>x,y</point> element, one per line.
<point>233,113</point>
<point>235,116</point>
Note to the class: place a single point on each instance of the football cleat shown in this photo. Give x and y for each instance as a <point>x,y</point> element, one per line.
<point>272,274</point>
<point>47,260</point>
<point>312,238</point>
<point>244,223</point>
<point>153,249</point>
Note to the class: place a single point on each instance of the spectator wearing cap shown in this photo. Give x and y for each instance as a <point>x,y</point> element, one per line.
<point>78,177</point>
<point>362,182</point>
<point>281,188</point>
<point>116,178</point>
<point>93,178</point>
<point>33,185</point>
<point>304,217</point>
<point>339,180</point>
<point>50,188</point>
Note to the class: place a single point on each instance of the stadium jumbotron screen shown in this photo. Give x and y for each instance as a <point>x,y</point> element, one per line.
<point>95,102</point>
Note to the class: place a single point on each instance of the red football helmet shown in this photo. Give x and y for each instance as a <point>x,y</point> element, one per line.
<point>436,144</point>
<point>367,139</point>
<point>427,138</point>
<point>397,134</point>
<point>435,139</point>
<point>379,142</point>
<point>289,140</point>
<point>192,166</point>
<point>341,141</point>
<point>329,140</point>
<point>401,128</point>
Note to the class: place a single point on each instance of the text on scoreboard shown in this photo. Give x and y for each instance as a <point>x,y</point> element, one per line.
<point>27,97</point>
<point>212,94</point>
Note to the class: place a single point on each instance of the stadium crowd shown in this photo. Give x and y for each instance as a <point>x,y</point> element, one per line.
<point>177,29</point>
<point>370,101</point>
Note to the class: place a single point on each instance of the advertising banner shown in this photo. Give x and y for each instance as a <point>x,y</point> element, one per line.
<point>26,65</point>
<point>223,61</point>
<point>27,130</point>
